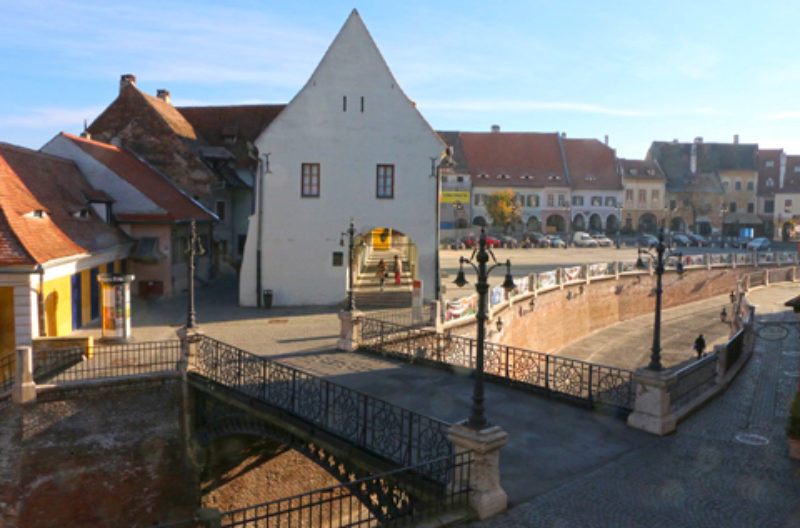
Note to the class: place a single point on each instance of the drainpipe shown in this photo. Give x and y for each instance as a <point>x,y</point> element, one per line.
<point>263,170</point>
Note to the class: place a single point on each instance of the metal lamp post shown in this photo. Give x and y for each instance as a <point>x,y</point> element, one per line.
<point>193,248</point>
<point>661,248</point>
<point>481,254</point>
<point>351,231</point>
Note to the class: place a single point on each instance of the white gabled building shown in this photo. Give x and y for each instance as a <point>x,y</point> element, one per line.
<point>349,145</point>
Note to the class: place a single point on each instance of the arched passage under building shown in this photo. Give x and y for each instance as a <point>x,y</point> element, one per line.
<point>556,224</point>
<point>648,223</point>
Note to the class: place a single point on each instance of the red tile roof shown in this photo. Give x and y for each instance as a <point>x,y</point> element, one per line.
<point>164,193</point>
<point>32,181</point>
<point>765,172</point>
<point>591,164</point>
<point>527,158</point>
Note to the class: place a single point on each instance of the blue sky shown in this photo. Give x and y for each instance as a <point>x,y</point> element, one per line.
<point>636,71</point>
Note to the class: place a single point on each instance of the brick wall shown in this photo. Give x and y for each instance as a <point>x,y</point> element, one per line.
<point>557,320</point>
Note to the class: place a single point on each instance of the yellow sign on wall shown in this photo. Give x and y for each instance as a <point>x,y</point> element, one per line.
<point>455,196</point>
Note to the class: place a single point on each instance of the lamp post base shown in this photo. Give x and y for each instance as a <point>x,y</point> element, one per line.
<point>486,496</point>
<point>349,330</point>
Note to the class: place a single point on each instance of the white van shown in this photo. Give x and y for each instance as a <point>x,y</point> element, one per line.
<point>583,239</point>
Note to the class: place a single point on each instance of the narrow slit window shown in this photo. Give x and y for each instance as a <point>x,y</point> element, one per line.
<point>344,103</point>
<point>362,104</point>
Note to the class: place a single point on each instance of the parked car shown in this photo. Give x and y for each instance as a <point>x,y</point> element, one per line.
<point>509,242</point>
<point>648,241</point>
<point>602,240</point>
<point>452,243</point>
<point>698,240</point>
<point>556,242</point>
<point>758,244</point>
<point>740,242</point>
<point>681,240</point>
<point>470,241</point>
<point>539,240</point>
<point>582,239</point>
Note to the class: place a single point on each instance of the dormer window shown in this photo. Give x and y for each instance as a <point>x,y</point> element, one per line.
<point>651,172</point>
<point>83,213</point>
<point>554,177</point>
<point>37,213</point>
<point>527,176</point>
<point>770,182</point>
<point>590,177</point>
<point>769,163</point>
<point>483,175</point>
<point>634,172</point>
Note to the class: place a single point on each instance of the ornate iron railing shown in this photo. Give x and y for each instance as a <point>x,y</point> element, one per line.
<point>692,380</point>
<point>106,361</point>
<point>376,426</point>
<point>571,378</point>
<point>410,317</point>
<point>415,497</point>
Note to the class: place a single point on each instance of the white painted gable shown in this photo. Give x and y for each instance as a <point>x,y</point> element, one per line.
<point>349,117</point>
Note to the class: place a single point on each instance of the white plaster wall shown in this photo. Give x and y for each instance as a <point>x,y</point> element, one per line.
<point>299,235</point>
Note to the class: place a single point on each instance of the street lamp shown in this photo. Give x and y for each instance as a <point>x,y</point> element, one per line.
<point>193,248</point>
<point>481,254</point>
<point>351,231</point>
<point>655,356</point>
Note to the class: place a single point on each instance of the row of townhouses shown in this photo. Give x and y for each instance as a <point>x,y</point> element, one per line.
<point>273,190</point>
<point>563,184</point>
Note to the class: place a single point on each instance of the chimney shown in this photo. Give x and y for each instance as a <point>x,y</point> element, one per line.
<point>125,80</point>
<point>606,140</point>
<point>495,129</point>
<point>563,135</point>
<point>675,141</point>
<point>85,134</point>
<point>163,95</point>
<point>782,173</point>
<point>698,139</point>
<point>736,139</point>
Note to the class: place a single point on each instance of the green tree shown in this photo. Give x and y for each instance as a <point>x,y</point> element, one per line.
<point>503,209</point>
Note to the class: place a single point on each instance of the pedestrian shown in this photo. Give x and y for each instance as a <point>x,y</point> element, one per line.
<point>398,269</point>
<point>380,273</point>
<point>700,345</point>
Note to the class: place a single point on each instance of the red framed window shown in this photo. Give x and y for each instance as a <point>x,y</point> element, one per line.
<point>310,180</point>
<point>385,181</point>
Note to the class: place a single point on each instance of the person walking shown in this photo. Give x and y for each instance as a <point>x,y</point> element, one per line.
<point>699,345</point>
<point>380,273</point>
<point>398,269</point>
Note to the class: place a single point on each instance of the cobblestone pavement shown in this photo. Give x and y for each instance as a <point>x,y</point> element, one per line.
<point>565,466</point>
<point>726,466</point>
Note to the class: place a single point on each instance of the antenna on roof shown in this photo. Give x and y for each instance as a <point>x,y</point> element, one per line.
<point>85,133</point>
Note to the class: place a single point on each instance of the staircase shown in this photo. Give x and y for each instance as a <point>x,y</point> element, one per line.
<point>367,292</point>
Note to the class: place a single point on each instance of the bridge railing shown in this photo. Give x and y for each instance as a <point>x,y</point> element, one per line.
<point>76,364</point>
<point>570,378</point>
<point>391,432</point>
<point>414,499</point>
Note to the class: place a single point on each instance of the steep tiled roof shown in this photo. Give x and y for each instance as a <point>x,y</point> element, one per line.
<point>232,127</point>
<point>791,181</point>
<point>32,181</point>
<point>11,250</point>
<point>515,158</point>
<point>640,169</point>
<point>591,164</point>
<point>675,160</point>
<point>768,157</point>
<point>165,194</point>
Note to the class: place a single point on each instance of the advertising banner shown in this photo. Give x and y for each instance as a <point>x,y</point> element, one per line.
<point>496,296</point>
<point>572,274</point>
<point>461,307</point>
<point>600,269</point>
<point>547,279</point>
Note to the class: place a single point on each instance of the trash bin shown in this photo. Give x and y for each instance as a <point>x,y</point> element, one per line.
<point>267,298</point>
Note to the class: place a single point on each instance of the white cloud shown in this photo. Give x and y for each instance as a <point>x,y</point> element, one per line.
<point>52,117</point>
<point>490,105</point>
